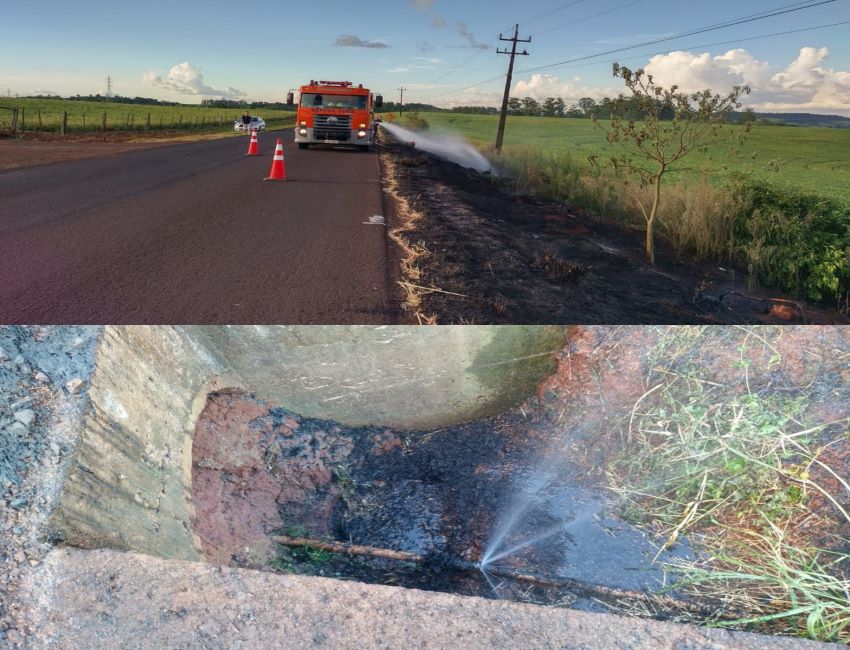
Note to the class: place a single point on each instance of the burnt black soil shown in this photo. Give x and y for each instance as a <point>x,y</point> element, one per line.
<point>519,260</point>
<point>436,494</point>
<point>439,494</point>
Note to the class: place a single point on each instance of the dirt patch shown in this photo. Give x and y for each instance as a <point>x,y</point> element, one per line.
<point>494,257</point>
<point>42,148</point>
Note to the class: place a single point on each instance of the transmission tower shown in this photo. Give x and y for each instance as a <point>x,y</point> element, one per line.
<point>500,136</point>
<point>108,87</point>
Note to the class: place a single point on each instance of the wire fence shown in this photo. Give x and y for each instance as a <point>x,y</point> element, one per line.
<point>18,120</point>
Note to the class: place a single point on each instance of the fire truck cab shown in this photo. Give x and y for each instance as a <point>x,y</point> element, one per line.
<point>335,112</point>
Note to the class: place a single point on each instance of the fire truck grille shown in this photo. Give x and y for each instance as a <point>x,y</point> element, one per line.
<point>332,127</point>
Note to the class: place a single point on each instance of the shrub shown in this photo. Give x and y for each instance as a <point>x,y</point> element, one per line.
<point>794,240</point>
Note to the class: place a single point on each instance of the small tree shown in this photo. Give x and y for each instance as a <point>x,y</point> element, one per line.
<point>651,148</point>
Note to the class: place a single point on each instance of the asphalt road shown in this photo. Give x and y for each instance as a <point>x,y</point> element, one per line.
<point>190,234</point>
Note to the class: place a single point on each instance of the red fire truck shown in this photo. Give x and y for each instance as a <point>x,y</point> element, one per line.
<point>335,112</point>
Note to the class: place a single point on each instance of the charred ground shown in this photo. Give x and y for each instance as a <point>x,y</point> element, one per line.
<point>497,257</point>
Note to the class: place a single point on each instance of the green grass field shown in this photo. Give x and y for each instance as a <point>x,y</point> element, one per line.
<point>813,159</point>
<point>87,116</point>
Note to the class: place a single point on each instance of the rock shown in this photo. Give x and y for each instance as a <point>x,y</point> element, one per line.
<point>4,356</point>
<point>25,417</point>
<point>40,376</point>
<point>21,402</point>
<point>74,385</point>
<point>18,428</point>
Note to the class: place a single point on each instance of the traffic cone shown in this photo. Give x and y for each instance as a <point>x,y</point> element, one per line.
<point>253,147</point>
<point>278,171</point>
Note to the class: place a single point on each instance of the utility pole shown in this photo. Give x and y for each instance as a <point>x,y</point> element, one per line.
<point>500,136</point>
<point>401,101</point>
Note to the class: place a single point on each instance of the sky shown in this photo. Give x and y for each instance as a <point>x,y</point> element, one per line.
<point>443,52</point>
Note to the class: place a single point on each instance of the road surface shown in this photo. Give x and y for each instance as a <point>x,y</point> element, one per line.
<point>190,234</point>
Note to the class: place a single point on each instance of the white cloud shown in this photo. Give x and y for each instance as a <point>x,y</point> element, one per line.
<point>695,72</point>
<point>804,85</point>
<point>186,79</point>
<point>469,97</point>
<point>541,86</point>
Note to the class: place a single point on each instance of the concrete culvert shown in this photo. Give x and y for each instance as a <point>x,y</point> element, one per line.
<point>340,487</point>
<point>130,484</point>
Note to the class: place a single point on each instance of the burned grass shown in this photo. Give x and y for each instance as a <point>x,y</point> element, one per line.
<point>499,257</point>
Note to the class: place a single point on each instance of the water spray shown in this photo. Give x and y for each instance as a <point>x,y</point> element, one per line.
<point>449,147</point>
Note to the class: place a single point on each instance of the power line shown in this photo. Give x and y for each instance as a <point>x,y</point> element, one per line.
<point>702,30</point>
<point>550,13</point>
<point>459,67</point>
<point>716,43</point>
<point>581,20</point>
<point>730,42</point>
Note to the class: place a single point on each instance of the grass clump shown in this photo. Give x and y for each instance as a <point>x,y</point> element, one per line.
<point>742,468</point>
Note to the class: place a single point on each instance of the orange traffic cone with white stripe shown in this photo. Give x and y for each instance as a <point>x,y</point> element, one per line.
<point>254,146</point>
<point>278,171</point>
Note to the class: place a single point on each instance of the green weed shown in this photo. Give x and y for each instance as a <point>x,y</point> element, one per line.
<point>741,464</point>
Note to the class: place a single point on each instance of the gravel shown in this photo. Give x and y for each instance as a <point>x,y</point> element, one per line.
<point>39,391</point>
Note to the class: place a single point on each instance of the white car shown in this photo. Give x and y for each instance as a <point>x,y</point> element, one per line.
<point>257,123</point>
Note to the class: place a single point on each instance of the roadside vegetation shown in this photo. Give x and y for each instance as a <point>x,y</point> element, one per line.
<point>47,114</point>
<point>752,475</point>
<point>776,208</point>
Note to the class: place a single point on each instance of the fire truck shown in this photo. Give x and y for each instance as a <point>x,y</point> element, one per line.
<point>335,112</point>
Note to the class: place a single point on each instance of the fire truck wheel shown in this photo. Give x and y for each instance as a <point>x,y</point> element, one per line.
<point>303,145</point>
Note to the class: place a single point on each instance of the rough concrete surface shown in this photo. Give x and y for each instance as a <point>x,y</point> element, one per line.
<point>104,599</point>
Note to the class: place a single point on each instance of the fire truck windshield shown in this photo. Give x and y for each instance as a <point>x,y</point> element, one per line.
<point>315,100</point>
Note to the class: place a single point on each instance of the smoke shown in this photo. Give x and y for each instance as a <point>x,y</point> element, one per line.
<point>186,79</point>
<point>350,40</point>
<point>463,30</point>
<point>449,147</point>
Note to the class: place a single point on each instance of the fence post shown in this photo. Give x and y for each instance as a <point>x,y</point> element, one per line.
<point>128,121</point>
<point>15,122</point>
<point>64,122</point>
<point>23,121</point>
<point>160,121</point>
<point>179,121</point>
<point>84,121</point>
<point>148,123</point>
<point>103,122</point>
<point>39,120</point>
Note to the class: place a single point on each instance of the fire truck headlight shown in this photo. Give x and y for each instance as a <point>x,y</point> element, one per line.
<point>362,126</point>
<point>362,134</point>
<point>303,123</point>
<point>303,132</point>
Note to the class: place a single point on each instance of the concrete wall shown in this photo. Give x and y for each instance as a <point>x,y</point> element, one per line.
<point>401,377</point>
<point>129,486</point>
